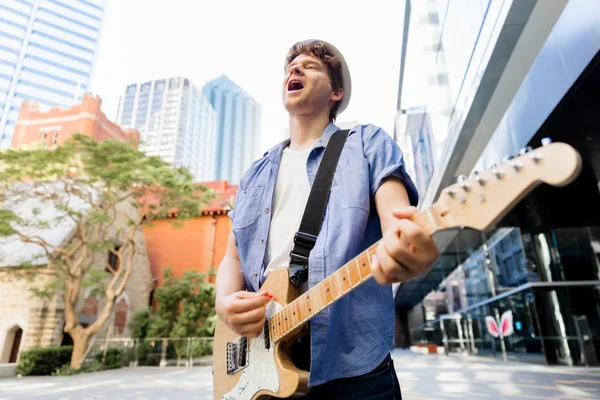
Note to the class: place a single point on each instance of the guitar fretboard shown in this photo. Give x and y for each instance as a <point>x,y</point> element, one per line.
<point>331,289</point>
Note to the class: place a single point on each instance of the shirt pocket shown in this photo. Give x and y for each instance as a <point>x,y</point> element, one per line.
<point>246,207</point>
<point>352,185</point>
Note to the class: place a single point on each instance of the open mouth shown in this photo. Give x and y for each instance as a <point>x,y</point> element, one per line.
<point>294,85</point>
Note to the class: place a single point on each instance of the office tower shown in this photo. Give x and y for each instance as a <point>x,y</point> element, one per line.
<point>47,50</point>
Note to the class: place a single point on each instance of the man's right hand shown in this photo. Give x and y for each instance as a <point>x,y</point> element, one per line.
<point>244,312</point>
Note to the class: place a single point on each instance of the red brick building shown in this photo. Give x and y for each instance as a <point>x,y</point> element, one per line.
<point>199,243</point>
<point>54,126</point>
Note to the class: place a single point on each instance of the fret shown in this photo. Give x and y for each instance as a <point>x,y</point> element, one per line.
<point>343,279</point>
<point>353,273</point>
<point>298,313</point>
<point>276,325</point>
<point>318,298</point>
<point>302,307</point>
<point>286,320</point>
<point>310,310</point>
<point>336,285</point>
<point>363,269</point>
<point>327,293</point>
<point>281,323</point>
<point>273,326</point>
<point>368,251</point>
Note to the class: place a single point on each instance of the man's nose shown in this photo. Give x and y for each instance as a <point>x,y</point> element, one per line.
<point>296,70</point>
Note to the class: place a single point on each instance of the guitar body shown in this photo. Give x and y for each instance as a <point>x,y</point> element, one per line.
<point>260,372</point>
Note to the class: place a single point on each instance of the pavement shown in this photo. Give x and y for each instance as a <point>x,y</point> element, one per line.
<point>422,377</point>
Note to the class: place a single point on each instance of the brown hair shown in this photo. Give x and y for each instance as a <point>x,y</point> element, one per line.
<point>319,49</point>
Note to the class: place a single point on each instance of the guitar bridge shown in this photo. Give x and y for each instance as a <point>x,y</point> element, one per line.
<point>237,355</point>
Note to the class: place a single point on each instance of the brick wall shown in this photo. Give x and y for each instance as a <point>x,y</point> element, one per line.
<point>189,246</point>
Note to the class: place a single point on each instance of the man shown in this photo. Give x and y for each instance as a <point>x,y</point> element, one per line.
<point>348,347</point>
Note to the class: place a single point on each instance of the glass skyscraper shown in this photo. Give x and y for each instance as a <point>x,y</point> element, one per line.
<point>238,128</point>
<point>175,121</point>
<point>47,50</point>
<point>496,78</point>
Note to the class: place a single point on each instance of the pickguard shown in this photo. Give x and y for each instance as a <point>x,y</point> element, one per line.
<point>261,372</point>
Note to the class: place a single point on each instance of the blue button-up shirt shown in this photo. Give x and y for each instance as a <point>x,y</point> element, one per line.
<point>354,335</point>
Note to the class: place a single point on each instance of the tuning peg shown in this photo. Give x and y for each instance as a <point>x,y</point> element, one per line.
<point>498,172</point>
<point>536,157</point>
<point>451,192</point>
<point>507,158</point>
<point>475,175</point>
<point>525,150</point>
<point>517,166</point>
<point>546,141</point>
<point>461,181</point>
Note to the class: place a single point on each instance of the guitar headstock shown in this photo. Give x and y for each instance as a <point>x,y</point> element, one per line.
<point>482,199</point>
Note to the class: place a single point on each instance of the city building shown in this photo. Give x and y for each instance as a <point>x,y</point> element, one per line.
<point>514,72</point>
<point>418,136</point>
<point>55,125</point>
<point>238,128</point>
<point>47,51</point>
<point>198,243</point>
<point>29,321</point>
<point>175,121</point>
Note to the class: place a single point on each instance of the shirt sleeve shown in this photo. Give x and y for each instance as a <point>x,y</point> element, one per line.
<point>386,159</point>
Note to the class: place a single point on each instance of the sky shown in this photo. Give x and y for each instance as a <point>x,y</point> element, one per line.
<point>144,40</point>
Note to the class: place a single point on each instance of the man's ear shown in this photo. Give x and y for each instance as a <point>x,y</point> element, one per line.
<point>337,94</point>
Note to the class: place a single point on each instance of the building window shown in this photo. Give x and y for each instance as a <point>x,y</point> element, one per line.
<point>113,260</point>
<point>131,89</point>
<point>54,138</point>
<point>43,138</point>
<point>173,83</point>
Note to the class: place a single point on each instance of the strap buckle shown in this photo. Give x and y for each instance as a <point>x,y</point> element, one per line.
<point>298,269</point>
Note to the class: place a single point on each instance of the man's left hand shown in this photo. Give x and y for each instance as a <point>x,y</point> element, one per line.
<point>405,252</point>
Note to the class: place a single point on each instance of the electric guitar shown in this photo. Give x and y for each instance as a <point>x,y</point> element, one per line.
<point>246,368</point>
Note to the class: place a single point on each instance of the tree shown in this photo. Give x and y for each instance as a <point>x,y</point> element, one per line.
<point>103,191</point>
<point>185,308</point>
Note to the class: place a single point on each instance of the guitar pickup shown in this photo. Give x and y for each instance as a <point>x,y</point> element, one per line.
<point>237,355</point>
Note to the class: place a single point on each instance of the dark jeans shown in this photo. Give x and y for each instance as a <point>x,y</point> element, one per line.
<point>379,384</point>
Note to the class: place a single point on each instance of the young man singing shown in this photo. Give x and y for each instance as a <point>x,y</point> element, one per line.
<point>347,350</point>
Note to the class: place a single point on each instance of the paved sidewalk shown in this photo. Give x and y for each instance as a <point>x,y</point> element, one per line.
<point>422,377</point>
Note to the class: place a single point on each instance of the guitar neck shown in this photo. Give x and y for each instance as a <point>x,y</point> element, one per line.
<point>328,291</point>
<point>477,202</point>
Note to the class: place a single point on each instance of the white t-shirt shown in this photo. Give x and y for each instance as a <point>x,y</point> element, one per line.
<point>291,193</point>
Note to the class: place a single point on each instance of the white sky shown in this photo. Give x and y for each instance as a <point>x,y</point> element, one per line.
<point>247,40</point>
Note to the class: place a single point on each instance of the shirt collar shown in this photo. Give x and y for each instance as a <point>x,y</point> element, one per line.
<point>275,152</point>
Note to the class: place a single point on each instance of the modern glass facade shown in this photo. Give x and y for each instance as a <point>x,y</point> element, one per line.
<point>47,50</point>
<point>516,72</point>
<point>238,128</point>
<point>176,123</point>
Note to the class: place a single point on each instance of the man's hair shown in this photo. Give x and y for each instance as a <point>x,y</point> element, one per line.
<point>319,49</point>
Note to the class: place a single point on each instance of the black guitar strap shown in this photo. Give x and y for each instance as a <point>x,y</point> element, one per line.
<point>306,237</point>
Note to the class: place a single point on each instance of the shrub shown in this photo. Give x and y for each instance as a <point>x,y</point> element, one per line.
<point>66,369</point>
<point>114,358</point>
<point>43,361</point>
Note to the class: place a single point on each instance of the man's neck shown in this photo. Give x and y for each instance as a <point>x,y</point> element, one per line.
<point>306,130</point>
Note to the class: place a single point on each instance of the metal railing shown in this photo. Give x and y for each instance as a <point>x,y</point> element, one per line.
<point>162,352</point>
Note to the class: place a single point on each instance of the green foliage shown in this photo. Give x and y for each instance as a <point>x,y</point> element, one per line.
<point>186,306</point>
<point>43,361</point>
<point>113,359</point>
<point>85,182</point>
<point>138,325</point>
<point>66,369</point>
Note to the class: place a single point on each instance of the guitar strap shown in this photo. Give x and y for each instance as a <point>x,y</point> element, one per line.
<point>306,237</point>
